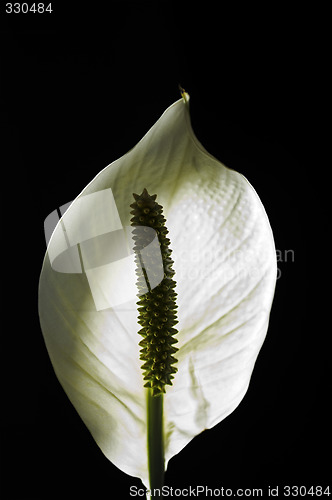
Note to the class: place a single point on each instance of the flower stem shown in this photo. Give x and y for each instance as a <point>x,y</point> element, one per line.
<point>155,442</point>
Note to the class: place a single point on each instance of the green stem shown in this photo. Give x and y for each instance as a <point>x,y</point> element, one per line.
<point>155,442</point>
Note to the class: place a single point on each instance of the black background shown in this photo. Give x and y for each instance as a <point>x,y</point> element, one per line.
<point>81,86</point>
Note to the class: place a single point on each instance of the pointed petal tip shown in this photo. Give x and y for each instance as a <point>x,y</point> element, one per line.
<point>185,96</point>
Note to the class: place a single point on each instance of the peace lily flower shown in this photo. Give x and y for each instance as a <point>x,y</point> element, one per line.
<point>225,273</point>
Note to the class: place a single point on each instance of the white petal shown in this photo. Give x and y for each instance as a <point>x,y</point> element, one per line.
<point>225,267</point>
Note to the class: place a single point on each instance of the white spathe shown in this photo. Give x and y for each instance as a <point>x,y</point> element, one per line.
<point>225,264</point>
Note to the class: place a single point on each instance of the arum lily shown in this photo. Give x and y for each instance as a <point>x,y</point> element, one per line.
<point>225,272</point>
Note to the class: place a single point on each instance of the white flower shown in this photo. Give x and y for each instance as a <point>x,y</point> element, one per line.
<point>225,265</point>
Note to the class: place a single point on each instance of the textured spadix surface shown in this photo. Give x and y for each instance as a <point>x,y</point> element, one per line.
<point>225,264</point>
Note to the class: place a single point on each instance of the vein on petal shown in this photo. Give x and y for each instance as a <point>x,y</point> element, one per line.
<point>89,375</point>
